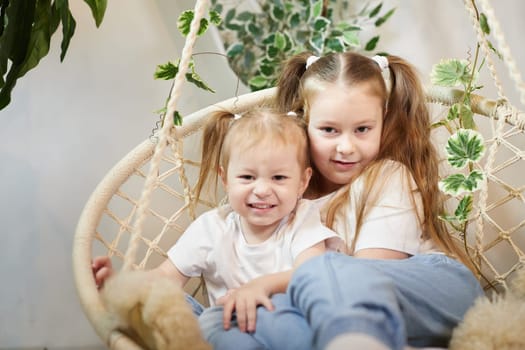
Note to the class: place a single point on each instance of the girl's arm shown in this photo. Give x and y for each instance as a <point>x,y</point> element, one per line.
<point>245,299</point>
<point>103,269</point>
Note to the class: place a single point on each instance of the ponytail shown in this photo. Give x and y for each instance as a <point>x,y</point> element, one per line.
<point>212,140</point>
<point>288,96</point>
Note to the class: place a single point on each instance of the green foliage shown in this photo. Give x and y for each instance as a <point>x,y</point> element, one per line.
<point>465,146</point>
<point>257,42</point>
<point>26,28</point>
<point>457,184</point>
<point>169,70</point>
<point>451,72</point>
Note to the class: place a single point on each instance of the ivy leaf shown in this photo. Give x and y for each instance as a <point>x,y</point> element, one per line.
<point>177,118</point>
<point>234,50</point>
<point>254,30</point>
<point>450,73</point>
<point>457,184</point>
<point>245,16</point>
<point>464,208</point>
<point>453,111</point>
<point>321,24</point>
<point>461,214</point>
<point>335,44</point>
<point>351,38</point>
<point>215,18</point>
<point>289,43</point>
<point>466,145</point>
<point>230,15</point>
<point>184,23</point>
<point>217,7</point>
<point>98,8</point>
<point>343,26</point>
<point>316,9</point>
<point>384,18</point>
<point>258,82</point>
<point>375,10</point>
<point>277,13</point>
<point>464,113</point>
<point>317,43</point>
<point>166,71</point>
<point>195,79</point>
<point>295,20</point>
<point>372,43</point>
<point>279,41</point>
<point>500,56</point>
<point>484,24</point>
<point>466,116</point>
<point>267,70</point>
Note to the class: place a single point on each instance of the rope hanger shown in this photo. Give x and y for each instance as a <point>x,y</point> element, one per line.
<point>143,205</point>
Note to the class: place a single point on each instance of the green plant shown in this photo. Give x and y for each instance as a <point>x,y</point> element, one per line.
<point>256,42</point>
<point>169,70</point>
<point>465,146</point>
<point>26,28</point>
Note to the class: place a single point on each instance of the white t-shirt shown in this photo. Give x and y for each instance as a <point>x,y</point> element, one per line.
<point>393,222</point>
<point>214,246</point>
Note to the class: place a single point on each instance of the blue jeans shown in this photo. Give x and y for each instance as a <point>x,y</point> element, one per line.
<point>416,301</point>
<point>284,328</point>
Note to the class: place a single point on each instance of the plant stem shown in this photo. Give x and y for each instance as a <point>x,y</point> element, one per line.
<point>476,55</point>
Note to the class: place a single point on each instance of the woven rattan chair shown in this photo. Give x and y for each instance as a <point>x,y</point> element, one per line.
<point>498,240</point>
<point>160,201</point>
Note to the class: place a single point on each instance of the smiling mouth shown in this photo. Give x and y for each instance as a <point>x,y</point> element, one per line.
<point>340,162</point>
<point>261,206</point>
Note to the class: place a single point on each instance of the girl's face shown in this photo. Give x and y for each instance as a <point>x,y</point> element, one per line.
<point>263,185</point>
<point>345,132</point>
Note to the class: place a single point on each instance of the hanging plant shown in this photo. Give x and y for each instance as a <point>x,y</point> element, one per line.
<point>26,28</point>
<point>256,42</point>
<point>465,146</point>
<point>169,70</point>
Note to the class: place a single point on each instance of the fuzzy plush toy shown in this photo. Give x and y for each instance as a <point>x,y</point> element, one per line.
<point>497,324</point>
<point>153,313</point>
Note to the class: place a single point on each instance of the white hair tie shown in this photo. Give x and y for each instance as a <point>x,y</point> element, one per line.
<point>381,61</point>
<point>311,60</point>
<point>237,116</point>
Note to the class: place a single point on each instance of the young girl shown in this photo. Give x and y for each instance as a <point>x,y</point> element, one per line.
<point>247,249</point>
<point>399,279</point>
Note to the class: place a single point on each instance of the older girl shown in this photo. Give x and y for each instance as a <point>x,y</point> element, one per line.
<point>399,278</point>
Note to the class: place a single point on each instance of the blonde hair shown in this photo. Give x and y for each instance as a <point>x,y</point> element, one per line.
<point>405,135</point>
<point>261,127</point>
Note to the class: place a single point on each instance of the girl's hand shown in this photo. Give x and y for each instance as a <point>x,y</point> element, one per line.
<point>244,300</point>
<point>102,270</point>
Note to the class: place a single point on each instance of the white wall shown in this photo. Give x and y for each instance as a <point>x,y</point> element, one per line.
<point>70,122</point>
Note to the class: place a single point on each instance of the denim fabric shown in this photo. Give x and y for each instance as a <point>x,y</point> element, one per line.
<point>282,329</point>
<point>416,301</point>
<point>196,307</point>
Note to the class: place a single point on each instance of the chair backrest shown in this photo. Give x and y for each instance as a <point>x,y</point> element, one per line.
<point>496,234</point>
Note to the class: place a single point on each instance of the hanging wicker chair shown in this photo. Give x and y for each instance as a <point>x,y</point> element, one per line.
<point>105,223</point>
<point>496,235</point>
